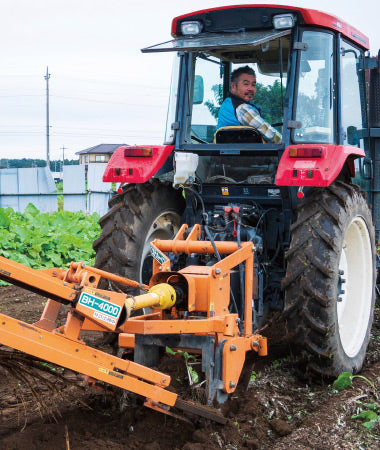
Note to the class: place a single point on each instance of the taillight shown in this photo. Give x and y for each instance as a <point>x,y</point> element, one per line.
<point>305,152</point>
<point>146,152</point>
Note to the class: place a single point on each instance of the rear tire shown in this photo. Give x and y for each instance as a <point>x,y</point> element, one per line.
<point>142,213</point>
<point>330,279</point>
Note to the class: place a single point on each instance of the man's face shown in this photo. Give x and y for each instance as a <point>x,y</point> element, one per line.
<point>245,88</point>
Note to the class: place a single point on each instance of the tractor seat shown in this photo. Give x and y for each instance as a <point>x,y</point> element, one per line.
<point>237,135</point>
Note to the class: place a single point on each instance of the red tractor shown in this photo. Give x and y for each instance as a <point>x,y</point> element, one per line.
<point>309,203</point>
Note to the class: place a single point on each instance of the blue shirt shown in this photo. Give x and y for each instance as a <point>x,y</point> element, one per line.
<point>227,115</point>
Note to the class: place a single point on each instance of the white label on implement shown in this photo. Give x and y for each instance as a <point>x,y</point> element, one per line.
<point>105,311</point>
<point>104,318</point>
<point>157,255</point>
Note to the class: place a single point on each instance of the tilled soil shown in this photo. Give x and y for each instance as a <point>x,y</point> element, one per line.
<point>275,406</point>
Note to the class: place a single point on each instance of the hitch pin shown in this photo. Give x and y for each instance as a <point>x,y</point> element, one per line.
<point>300,193</point>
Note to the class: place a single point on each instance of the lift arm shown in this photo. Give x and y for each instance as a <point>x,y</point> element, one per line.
<point>77,286</point>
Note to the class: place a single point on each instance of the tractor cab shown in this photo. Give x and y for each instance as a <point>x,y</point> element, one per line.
<point>309,86</point>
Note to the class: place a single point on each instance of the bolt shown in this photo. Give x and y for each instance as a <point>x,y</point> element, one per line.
<point>218,271</point>
<point>255,343</point>
<point>160,268</point>
<point>343,280</point>
<point>232,384</point>
<point>77,349</point>
<point>341,272</point>
<point>238,320</point>
<point>253,248</point>
<point>339,299</point>
<point>212,341</point>
<point>212,364</point>
<point>164,380</point>
<point>65,283</point>
<point>233,348</point>
<point>342,291</point>
<point>54,272</point>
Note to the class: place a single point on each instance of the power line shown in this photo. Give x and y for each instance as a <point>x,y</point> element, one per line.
<point>121,135</point>
<point>59,127</point>
<point>83,99</point>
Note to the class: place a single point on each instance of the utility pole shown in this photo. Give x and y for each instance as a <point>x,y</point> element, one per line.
<point>63,148</point>
<point>47,76</point>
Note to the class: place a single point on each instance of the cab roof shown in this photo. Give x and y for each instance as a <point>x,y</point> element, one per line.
<point>246,17</point>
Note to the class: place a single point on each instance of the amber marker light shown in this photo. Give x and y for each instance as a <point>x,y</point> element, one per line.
<point>305,152</point>
<point>146,152</point>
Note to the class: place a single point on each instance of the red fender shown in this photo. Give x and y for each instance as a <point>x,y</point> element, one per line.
<point>136,169</point>
<point>320,170</point>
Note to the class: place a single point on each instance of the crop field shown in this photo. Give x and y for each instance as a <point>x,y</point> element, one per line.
<point>47,240</point>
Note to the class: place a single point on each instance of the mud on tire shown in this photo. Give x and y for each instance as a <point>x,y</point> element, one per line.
<point>143,212</point>
<point>330,279</point>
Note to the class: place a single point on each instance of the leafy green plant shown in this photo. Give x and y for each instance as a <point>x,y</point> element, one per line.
<point>369,416</point>
<point>344,380</point>
<point>254,375</point>
<point>41,240</point>
<point>192,374</point>
<point>275,364</point>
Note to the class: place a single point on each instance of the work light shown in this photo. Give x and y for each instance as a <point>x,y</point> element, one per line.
<point>282,21</point>
<point>191,28</point>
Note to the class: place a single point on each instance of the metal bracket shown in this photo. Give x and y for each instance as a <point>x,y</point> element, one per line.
<point>368,62</point>
<point>300,46</point>
<point>211,361</point>
<point>294,124</point>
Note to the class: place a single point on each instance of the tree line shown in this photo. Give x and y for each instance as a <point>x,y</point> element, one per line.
<point>55,165</point>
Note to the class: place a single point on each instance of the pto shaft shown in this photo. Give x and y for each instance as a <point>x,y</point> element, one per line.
<point>160,296</point>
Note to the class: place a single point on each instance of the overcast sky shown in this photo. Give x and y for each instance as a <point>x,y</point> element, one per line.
<point>102,88</point>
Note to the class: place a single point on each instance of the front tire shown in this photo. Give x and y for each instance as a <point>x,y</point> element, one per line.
<point>330,279</point>
<point>142,213</point>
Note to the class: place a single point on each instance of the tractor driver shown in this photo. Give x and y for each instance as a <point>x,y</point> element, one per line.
<point>238,109</point>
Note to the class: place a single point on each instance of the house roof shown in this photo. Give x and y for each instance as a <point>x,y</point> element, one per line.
<point>100,149</point>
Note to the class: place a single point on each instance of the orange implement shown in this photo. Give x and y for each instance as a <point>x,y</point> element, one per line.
<point>191,310</point>
<point>56,348</point>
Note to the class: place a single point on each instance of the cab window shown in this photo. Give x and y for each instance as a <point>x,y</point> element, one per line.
<point>351,104</point>
<point>211,82</point>
<point>315,90</point>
